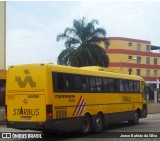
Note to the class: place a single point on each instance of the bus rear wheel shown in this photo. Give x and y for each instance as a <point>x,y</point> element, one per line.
<point>98,123</point>
<point>86,124</point>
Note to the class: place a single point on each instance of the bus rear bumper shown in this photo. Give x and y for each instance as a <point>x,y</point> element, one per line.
<point>49,125</point>
<point>25,125</point>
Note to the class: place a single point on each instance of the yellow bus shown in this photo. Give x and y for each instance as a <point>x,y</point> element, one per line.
<point>50,97</point>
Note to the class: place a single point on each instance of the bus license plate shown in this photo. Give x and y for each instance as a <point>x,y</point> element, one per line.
<point>26,118</point>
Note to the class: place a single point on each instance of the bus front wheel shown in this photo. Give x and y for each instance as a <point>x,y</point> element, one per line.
<point>86,124</point>
<point>135,119</point>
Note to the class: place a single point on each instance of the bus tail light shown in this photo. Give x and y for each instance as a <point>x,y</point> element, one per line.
<point>49,111</point>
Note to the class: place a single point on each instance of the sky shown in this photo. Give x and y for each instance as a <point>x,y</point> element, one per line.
<point>32,26</point>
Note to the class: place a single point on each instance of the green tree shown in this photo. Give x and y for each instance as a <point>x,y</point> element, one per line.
<point>82,48</point>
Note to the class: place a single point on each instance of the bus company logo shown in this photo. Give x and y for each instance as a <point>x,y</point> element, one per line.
<point>80,107</point>
<point>28,79</point>
<point>25,101</point>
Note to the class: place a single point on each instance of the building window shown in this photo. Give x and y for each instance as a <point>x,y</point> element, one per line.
<point>138,72</point>
<point>129,44</point>
<point>147,73</point>
<point>130,71</point>
<point>147,60</point>
<point>138,59</point>
<point>155,73</point>
<point>138,47</point>
<point>129,57</point>
<point>155,61</point>
<point>147,48</point>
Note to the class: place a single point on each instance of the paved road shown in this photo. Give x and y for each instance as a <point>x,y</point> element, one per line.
<point>147,129</point>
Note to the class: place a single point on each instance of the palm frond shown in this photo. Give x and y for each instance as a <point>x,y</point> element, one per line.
<point>72,42</point>
<point>100,32</point>
<point>64,56</point>
<point>80,42</point>
<point>61,37</point>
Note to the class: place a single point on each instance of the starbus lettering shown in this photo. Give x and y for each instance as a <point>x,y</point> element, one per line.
<point>28,112</point>
<point>64,96</point>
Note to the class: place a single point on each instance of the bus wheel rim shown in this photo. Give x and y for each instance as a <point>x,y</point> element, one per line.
<point>85,125</point>
<point>98,123</point>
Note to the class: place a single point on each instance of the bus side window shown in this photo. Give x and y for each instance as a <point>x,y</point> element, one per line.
<point>99,84</point>
<point>93,87</point>
<point>84,87</point>
<point>126,85</point>
<point>121,86</point>
<point>69,82</point>
<point>111,84</point>
<point>105,85</point>
<point>77,83</point>
<point>136,86</point>
<point>84,83</point>
<point>81,83</point>
<point>131,86</point>
<point>116,85</point>
<point>58,81</point>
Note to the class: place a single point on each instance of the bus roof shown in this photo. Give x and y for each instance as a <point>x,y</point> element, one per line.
<point>88,70</point>
<point>97,70</point>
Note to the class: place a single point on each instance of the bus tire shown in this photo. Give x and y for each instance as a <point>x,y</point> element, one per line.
<point>135,119</point>
<point>86,124</point>
<point>98,123</point>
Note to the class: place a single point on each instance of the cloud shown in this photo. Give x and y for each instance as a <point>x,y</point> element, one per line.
<point>127,19</point>
<point>30,39</point>
<point>31,46</point>
<point>32,27</point>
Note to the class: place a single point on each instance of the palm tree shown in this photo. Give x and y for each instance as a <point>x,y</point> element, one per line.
<point>82,48</point>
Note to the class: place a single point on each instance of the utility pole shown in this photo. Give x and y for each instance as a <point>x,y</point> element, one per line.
<point>2,35</point>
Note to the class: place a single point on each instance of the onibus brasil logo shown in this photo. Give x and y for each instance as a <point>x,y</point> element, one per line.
<point>28,79</point>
